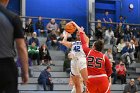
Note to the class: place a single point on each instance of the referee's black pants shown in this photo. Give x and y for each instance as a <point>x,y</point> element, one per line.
<point>8,76</point>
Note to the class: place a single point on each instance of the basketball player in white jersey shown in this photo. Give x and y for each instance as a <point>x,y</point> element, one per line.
<point>78,62</point>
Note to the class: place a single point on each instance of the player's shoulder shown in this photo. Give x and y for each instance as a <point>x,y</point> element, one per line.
<point>7,12</point>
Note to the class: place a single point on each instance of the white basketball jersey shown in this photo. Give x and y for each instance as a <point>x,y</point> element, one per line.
<point>77,49</point>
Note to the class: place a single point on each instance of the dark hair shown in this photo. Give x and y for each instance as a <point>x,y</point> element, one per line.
<point>99,45</point>
<point>120,16</point>
<point>48,67</point>
<point>106,11</point>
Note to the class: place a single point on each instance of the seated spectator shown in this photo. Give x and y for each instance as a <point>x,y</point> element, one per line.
<point>109,35</point>
<point>62,25</point>
<point>131,87</point>
<point>109,54</point>
<point>53,26</point>
<point>29,29</point>
<point>33,53</point>
<point>127,33</point>
<point>40,27</point>
<point>52,36</point>
<point>136,45</point>
<point>46,79</point>
<point>48,42</point>
<point>132,44</point>
<point>128,53</point>
<point>99,30</point>
<point>34,39</point>
<point>45,55</point>
<point>121,45</point>
<point>121,72</point>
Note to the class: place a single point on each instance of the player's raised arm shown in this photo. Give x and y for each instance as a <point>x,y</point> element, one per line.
<point>65,42</point>
<point>84,39</point>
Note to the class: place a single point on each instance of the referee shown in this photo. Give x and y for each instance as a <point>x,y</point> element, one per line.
<point>10,31</point>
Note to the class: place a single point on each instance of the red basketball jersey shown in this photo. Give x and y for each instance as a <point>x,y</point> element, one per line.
<point>97,62</point>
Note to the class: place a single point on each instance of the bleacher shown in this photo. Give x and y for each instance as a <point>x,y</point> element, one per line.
<point>61,78</point>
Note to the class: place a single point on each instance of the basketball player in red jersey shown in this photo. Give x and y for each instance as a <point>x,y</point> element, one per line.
<point>98,66</point>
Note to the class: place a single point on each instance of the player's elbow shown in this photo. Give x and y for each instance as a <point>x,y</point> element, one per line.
<point>109,72</point>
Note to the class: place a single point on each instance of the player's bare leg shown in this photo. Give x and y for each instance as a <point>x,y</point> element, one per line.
<point>76,80</point>
<point>84,75</point>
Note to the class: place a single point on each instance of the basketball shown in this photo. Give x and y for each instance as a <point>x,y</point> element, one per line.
<point>70,28</point>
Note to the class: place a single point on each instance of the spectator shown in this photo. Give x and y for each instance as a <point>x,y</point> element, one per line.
<point>45,55</point>
<point>52,36</point>
<point>121,45</point>
<point>29,29</point>
<point>34,39</point>
<point>121,20</point>
<point>121,72</point>
<point>33,53</point>
<point>119,33</point>
<point>128,53</point>
<point>10,31</point>
<point>109,34</point>
<point>48,42</point>
<point>107,19</point>
<point>136,45</point>
<point>46,79</point>
<point>99,30</point>
<point>40,26</point>
<point>109,54</point>
<point>62,25</point>
<point>131,87</point>
<point>133,50</point>
<point>127,33</point>
<point>53,26</point>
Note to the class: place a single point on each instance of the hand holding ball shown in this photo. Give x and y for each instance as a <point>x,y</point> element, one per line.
<point>70,28</point>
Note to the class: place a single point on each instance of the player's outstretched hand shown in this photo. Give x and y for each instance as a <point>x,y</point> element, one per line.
<point>80,29</point>
<point>75,25</point>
